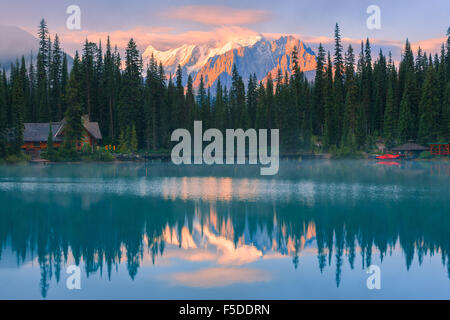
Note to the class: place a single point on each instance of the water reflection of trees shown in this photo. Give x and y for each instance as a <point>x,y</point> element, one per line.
<point>103,231</point>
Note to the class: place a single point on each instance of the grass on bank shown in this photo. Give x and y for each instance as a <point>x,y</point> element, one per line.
<point>16,158</point>
<point>86,154</point>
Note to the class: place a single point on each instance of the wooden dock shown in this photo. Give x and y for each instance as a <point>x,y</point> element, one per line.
<point>40,160</point>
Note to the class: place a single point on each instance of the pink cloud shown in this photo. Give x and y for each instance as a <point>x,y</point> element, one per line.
<point>429,45</point>
<point>73,40</point>
<point>218,15</point>
<point>160,38</point>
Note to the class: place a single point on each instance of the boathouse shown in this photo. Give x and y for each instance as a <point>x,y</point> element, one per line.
<point>35,135</point>
<point>410,148</point>
<point>440,148</point>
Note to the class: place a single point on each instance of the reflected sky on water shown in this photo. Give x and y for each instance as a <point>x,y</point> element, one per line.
<point>158,231</point>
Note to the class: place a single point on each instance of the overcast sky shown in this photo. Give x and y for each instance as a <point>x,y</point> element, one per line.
<point>166,24</point>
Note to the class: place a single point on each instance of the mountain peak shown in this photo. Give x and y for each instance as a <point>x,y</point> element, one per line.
<point>193,57</point>
<point>252,55</point>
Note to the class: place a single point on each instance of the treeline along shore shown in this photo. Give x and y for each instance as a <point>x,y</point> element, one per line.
<point>352,102</point>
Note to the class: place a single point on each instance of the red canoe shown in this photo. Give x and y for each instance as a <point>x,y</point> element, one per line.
<point>388,156</point>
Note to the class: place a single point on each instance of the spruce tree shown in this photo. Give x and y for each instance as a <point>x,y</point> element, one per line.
<point>281,93</point>
<point>338,85</point>
<point>183,116</point>
<point>252,99</point>
<point>42,73</point>
<point>361,127</point>
<point>99,112</point>
<point>270,104</point>
<point>367,89</point>
<point>319,88</point>
<point>307,118</point>
<point>31,114</point>
<point>123,143</point>
<point>24,79</point>
<point>63,84</point>
<point>380,89</point>
<point>390,122</point>
<point>111,65</point>
<point>442,82</point>
<point>50,148</point>
<point>190,103</point>
<point>261,108</point>
<point>447,57</point>
<point>163,107</point>
<point>429,109</point>
<point>329,116</point>
<point>239,116</point>
<point>133,139</point>
<point>406,66</point>
<point>204,111</point>
<point>131,95</point>
<point>73,128</point>
<point>351,114</point>
<point>296,112</point>
<point>152,108</point>
<point>55,83</point>
<point>351,101</point>
<point>219,108</point>
<point>3,118</point>
<point>406,117</point>
<point>87,67</point>
<point>18,105</point>
<point>173,109</point>
<point>447,108</point>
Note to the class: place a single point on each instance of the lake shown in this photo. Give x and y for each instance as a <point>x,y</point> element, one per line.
<point>160,231</point>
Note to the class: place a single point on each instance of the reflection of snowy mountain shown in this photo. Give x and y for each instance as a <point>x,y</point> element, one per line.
<point>217,241</point>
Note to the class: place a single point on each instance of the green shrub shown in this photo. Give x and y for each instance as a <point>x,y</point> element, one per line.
<point>101,155</point>
<point>17,158</point>
<point>66,154</point>
<point>425,155</point>
<point>86,148</point>
<point>346,153</point>
<point>51,155</point>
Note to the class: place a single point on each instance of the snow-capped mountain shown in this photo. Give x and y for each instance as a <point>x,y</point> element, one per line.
<point>193,57</point>
<point>251,55</point>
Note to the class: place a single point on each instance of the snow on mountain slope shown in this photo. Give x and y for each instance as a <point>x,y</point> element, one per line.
<point>193,57</point>
<point>251,55</point>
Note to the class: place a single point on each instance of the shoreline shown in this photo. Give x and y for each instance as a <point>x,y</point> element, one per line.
<point>156,161</point>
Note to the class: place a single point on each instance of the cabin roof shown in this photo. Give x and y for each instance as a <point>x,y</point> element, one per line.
<point>93,129</point>
<point>410,146</point>
<point>36,132</point>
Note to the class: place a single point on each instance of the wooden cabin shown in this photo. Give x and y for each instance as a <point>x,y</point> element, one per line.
<point>35,135</point>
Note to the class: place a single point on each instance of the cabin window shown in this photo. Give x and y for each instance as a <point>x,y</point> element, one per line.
<point>36,144</point>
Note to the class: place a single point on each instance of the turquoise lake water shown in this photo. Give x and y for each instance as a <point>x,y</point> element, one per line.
<point>159,231</point>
